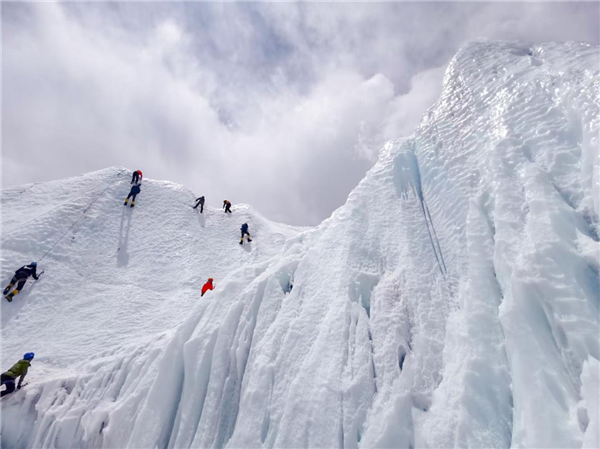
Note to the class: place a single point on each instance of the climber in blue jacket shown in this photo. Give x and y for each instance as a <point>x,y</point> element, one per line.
<point>244,230</point>
<point>135,190</point>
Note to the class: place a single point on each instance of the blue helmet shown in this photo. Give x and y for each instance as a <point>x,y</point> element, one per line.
<point>29,356</point>
<point>33,264</point>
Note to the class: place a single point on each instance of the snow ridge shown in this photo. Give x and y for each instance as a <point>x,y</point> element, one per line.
<point>451,302</point>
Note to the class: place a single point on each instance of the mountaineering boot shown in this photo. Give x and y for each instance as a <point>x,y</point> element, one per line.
<point>7,288</point>
<point>249,239</point>
<point>242,241</point>
<point>125,203</point>
<point>132,203</point>
<point>11,295</point>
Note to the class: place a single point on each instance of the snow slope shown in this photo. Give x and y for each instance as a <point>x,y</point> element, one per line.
<point>451,302</point>
<point>121,276</point>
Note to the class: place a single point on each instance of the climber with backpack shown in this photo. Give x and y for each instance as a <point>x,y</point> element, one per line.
<point>199,202</point>
<point>208,286</point>
<point>135,190</point>
<point>136,178</point>
<point>244,230</point>
<point>227,206</point>
<point>19,370</point>
<point>20,278</point>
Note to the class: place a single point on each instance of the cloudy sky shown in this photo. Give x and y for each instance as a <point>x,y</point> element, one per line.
<point>281,105</point>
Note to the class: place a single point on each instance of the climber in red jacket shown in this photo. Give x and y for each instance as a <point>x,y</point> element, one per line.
<point>208,286</point>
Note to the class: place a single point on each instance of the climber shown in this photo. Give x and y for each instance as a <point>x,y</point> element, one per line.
<point>200,202</point>
<point>227,206</point>
<point>208,286</point>
<point>136,178</point>
<point>20,278</point>
<point>135,189</point>
<point>19,369</point>
<point>244,230</point>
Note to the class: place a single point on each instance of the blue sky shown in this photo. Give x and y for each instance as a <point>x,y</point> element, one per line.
<point>281,105</point>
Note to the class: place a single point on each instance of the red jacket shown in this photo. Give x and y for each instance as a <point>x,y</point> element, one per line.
<point>208,286</point>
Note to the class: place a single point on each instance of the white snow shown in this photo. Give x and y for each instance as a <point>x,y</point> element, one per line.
<point>453,300</point>
<point>590,418</point>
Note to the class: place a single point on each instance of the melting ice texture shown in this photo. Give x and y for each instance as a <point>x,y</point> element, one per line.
<point>453,301</point>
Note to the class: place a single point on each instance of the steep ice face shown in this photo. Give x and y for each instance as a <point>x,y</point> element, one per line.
<point>452,301</point>
<point>528,285</point>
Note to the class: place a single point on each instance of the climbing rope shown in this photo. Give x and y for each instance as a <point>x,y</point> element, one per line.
<point>22,225</point>
<point>79,219</point>
<point>436,237</point>
<point>435,251</point>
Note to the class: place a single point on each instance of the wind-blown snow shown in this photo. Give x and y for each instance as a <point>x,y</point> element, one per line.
<point>452,301</point>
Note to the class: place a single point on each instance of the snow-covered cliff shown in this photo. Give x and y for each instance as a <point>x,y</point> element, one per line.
<point>453,300</point>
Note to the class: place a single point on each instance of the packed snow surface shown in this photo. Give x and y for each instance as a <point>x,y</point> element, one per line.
<point>453,301</point>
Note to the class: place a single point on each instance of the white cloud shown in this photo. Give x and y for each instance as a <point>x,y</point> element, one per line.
<point>284,106</point>
<point>426,89</point>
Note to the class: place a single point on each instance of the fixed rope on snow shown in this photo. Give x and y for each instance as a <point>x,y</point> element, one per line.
<point>51,210</point>
<point>21,275</point>
<point>79,219</point>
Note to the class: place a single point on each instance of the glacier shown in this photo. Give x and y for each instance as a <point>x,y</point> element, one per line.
<point>453,301</point>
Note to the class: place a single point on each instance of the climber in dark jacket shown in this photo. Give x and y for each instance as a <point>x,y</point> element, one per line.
<point>200,202</point>
<point>20,278</point>
<point>135,190</point>
<point>227,206</point>
<point>136,178</point>
<point>19,369</point>
<point>244,230</point>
